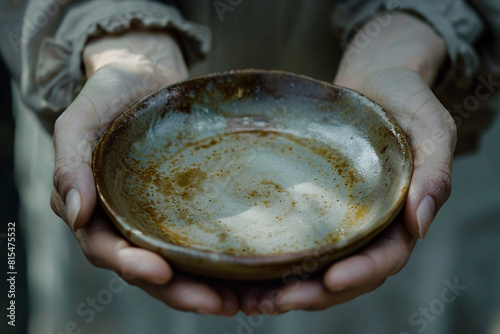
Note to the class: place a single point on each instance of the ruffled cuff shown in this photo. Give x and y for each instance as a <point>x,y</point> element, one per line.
<point>458,25</point>
<point>59,75</point>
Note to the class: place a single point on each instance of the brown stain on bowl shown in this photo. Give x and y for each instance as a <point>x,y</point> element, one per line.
<point>185,183</point>
<point>178,238</point>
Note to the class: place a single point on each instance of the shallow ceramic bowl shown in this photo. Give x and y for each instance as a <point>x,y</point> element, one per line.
<point>244,174</point>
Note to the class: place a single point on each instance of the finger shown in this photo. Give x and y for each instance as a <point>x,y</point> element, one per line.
<point>186,294</point>
<point>57,205</point>
<point>231,304</point>
<point>312,295</point>
<point>433,148</point>
<point>75,134</point>
<point>105,248</point>
<point>348,278</point>
<point>380,260</point>
<point>250,301</point>
<point>73,179</point>
<point>432,134</point>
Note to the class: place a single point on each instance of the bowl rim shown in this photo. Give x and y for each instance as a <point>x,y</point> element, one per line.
<point>166,249</point>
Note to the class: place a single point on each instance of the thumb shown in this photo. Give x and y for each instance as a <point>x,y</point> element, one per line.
<point>432,134</point>
<point>107,92</point>
<point>433,145</point>
<point>73,179</point>
<point>75,133</point>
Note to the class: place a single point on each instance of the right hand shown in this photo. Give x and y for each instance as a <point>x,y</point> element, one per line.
<point>121,70</point>
<point>395,69</point>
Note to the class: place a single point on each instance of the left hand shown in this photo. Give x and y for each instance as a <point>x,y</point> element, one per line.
<point>395,70</point>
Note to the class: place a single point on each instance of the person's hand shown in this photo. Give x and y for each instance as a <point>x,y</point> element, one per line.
<point>121,70</point>
<point>395,70</point>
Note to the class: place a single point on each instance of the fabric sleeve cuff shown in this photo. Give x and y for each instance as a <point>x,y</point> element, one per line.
<point>59,75</point>
<point>457,24</point>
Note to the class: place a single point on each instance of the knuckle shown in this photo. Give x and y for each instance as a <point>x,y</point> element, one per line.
<point>370,262</point>
<point>87,250</point>
<point>379,284</point>
<point>59,127</point>
<point>57,209</point>
<point>129,279</point>
<point>108,70</point>
<point>61,171</point>
<point>93,260</point>
<point>91,256</point>
<point>57,124</point>
<point>444,120</point>
<point>436,142</point>
<point>451,128</point>
<point>443,182</point>
<point>402,263</point>
<point>401,251</point>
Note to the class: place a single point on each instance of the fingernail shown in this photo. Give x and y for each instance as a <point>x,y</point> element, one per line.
<point>267,307</point>
<point>425,214</point>
<point>73,203</point>
<point>287,304</point>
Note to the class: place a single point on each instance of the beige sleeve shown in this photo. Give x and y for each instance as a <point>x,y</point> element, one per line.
<point>470,83</point>
<point>455,21</point>
<point>54,34</point>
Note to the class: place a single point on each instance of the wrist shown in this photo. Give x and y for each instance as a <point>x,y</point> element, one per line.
<point>405,42</point>
<point>134,48</point>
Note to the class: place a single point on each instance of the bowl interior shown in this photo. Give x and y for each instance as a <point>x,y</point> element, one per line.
<point>252,168</point>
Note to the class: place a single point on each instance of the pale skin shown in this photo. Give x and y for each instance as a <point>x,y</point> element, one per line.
<point>395,69</point>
